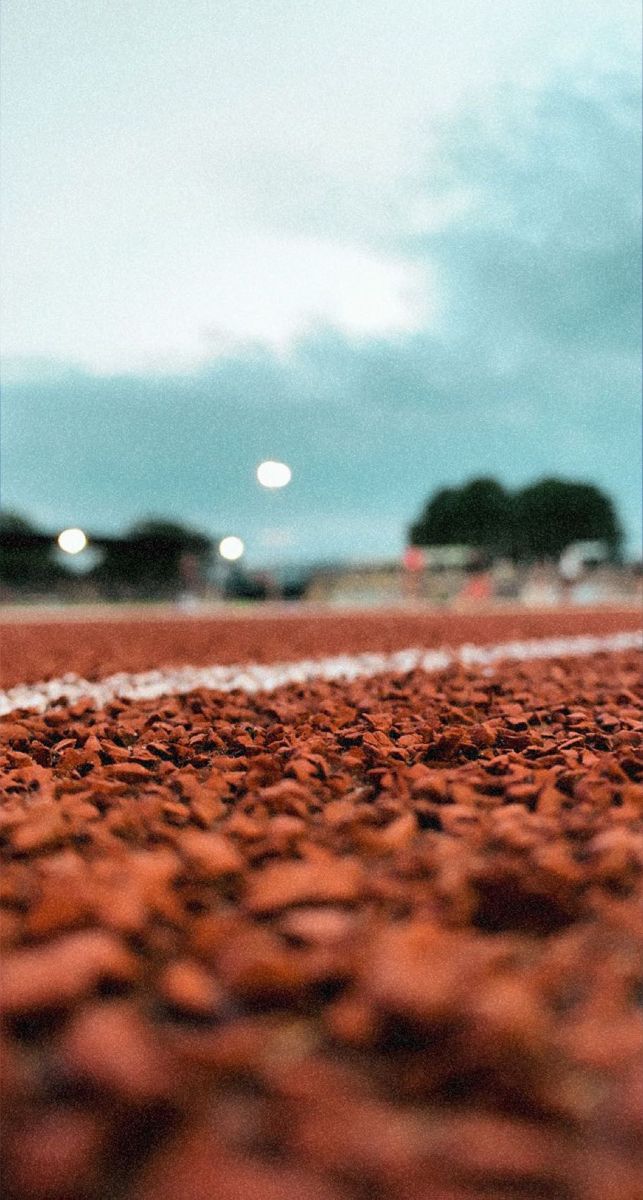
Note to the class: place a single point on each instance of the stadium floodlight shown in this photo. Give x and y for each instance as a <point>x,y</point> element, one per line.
<point>231,548</point>
<point>72,541</point>
<point>273,474</point>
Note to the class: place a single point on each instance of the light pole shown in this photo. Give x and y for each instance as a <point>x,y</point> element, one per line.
<point>231,548</point>
<point>72,541</point>
<point>273,475</point>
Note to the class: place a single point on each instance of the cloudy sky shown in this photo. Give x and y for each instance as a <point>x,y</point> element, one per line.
<point>396,244</point>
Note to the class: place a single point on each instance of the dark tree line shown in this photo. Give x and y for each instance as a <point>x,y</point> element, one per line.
<point>154,558</point>
<point>532,523</point>
<point>27,558</point>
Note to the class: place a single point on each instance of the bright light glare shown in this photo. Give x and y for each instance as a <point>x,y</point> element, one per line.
<point>231,548</point>
<point>273,474</point>
<point>72,541</point>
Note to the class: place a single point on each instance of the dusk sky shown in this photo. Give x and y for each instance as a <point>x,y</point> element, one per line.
<point>394,244</point>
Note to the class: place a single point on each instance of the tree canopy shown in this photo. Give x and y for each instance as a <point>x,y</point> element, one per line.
<point>156,557</point>
<point>535,522</point>
<point>149,557</point>
<point>26,559</point>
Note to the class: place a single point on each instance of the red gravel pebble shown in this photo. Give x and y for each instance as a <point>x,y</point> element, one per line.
<point>63,971</point>
<point>109,1046</point>
<point>209,855</point>
<point>187,987</point>
<point>281,884</point>
<point>56,1155</point>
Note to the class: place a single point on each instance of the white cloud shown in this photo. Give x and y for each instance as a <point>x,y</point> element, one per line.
<point>165,175</point>
<point>208,297</point>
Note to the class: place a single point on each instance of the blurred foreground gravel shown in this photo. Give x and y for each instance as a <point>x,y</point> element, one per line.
<point>379,939</point>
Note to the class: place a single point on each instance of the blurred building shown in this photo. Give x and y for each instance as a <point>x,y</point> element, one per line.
<point>466,583</point>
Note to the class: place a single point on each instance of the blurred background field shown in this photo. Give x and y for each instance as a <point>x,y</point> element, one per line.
<point>553,543</point>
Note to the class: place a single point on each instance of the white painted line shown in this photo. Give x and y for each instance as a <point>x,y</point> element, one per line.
<point>256,677</point>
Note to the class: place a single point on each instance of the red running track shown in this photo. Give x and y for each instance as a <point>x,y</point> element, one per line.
<point>46,646</point>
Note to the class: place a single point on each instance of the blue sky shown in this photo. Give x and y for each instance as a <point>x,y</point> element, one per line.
<point>396,245</point>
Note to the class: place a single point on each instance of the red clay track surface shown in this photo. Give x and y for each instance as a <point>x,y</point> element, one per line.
<point>368,940</point>
<point>35,649</point>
